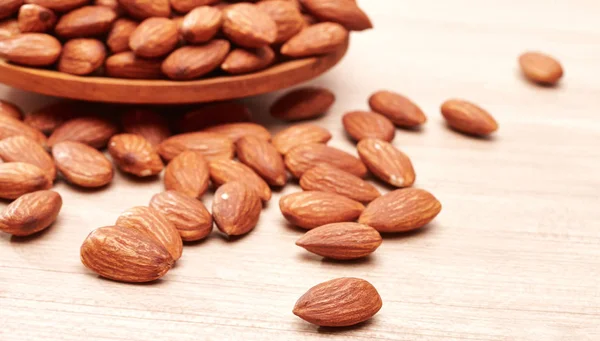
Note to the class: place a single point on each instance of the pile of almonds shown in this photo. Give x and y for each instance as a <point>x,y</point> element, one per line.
<point>178,39</point>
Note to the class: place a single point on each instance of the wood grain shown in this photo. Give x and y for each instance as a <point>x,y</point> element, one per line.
<point>514,254</point>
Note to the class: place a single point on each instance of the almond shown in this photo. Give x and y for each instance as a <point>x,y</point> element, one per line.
<point>263,158</point>
<point>363,124</point>
<point>30,213</point>
<point>201,24</point>
<point>18,178</point>
<point>342,241</point>
<point>91,130</point>
<point>386,162</point>
<point>318,39</point>
<point>86,21</point>
<point>142,9</point>
<point>9,7</point>
<point>81,164</point>
<point>296,135</point>
<point>327,178</point>
<point>236,131</point>
<point>59,5</point>
<point>540,68</point>
<point>49,117</point>
<point>212,114</point>
<point>224,171</point>
<point>241,61</point>
<point>311,209</point>
<point>468,118</point>
<point>248,26</point>
<point>9,28</point>
<point>112,4</point>
<point>188,173</point>
<point>10,109</point>
<point>401,210</point>
<point>338,303</point>
<point>135,155</point>
<point>32,49</point>
<point>13,127</point>
<point>154,37</point>
<point>147,123</point>
<point>156,225</point>
<point>191,62</point>
<point>345,12</point>
<point>118,37</point>
<point>212,146</point>
<point>34,18</point>
<point>399,109</point>
<point>82,56</point>
<point>304,157</point>
<point>188,215</point>
<point>125,254</point>
<point>127,65</point>
<point>287,17</point>
<point>236,208</point>
<point>302,104</point>
<point>24,149</point>
<point>184,6</point>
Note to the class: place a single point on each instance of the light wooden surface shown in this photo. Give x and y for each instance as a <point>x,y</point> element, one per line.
<point>514,255</point>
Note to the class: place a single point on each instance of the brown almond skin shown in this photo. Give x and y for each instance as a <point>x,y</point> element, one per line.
<point>30,213</point>
<point>363,124</point>
<point>223,171</point>
<point>13,127</point>
<point>331,179</point>
<point>339,303</point>
<point>211,114</point>
<point>201,24</point>
<point>142,9</point>
<point>51,116</point>
<point>112,4</point>
<point>344,12</point>
<point>82,165</point>
<point>236,208</point>
<point>188,215</point>
<point>235,131</point>
<point>154,37</point>
<point>9,7</point>
<point>468,118</point>
<point>127,65</point>
<point>241,61</point>
<point>541,68</point>
<point>185,6</point>
<point>24,149</point>
<point>311,209</point>
<point>156,225</point>
<point>91,130</point>
<point>86,21</point>
<point>212,146</point>
<point>10,110</point>
<point>341,241</point>
<point>34,18</point>
<point>147,123</point>
<point>299,134</point>
<point>82,56</point>
<point>315,40</point>
<point>191,62</point>
<point>9,28</point>
<point>386,162</point>
<point>401,210</point>
<point>118,37</point>
<point>263,158</point>
<point>188,173</point>
<point>399,109</point>
<point>59,5</point>
<point>248,26</point>
<point>133,154</point>
<point>31,49</point>
<point>125,254</point>
<point>18,178</point>
<point>304,157</point>
<point>302,104</point>
<point>287,17</point>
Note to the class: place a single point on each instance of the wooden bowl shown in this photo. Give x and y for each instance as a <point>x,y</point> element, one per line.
<point>116,90</point>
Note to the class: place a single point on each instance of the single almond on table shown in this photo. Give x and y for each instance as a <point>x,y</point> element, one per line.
<point>85,21</point>
<point>344,12</point>
<point>339,303</point>
<point>49,117</point>
<point>317,39</point>
<point>10,126</point>
<point>127,65</point>
<point>312,209</point>
<point>212,145</point>
<point>154,37</point>
<point>59,5</point>
<point>91,130</point>
<point>142,9</point>
<point>188,173</point>
<point>147,123</point>
<point>82,56</point>
<point>30,213</point>
<point>32,49</point>
<point>188,215</point>
<point>135,155</point>
<point>9,7</point>
<point>81,164</point>
<point>386,162</point>
<point>184,6</point>
<point>342,241</point>
<point>191,62</point>
<point>399,109</point>
<point>263,158</point>
<point>9,28</point>
<point>125,254</point>
<point>287,17</point>
<point>18,178</point>
<point>223,171</point>
<point>201,24</point>
<point>235,131</point>
<point>34,18</point>
<point>245,24</point>
<point>306,156</point>
<point>302,104</point>
<point>241,61</point>
<point>363,124</point>
<point>468,118</point>
<point>307,133</point>
<point>10,109</point>
<point>236,208</point>
<point>118,37</point>
<point>24,149</point>
<point>401,210</point>
<point>540,68</point>
<point>326,178</point>
<point>211,114</point>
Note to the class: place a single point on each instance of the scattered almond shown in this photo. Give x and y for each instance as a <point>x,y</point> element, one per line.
<point>24,149</point>
<point>87,21</point>
<point>236,208</point>
<point>468,118</point>
<point>91,130</point>
<point>363,124</point>
<point>311,209</point>
<point>318,39</point>
<point>263,158</point>
<point>18,178</point>
<point>142,9</point>
<point>342,241</point>
<point>299,134</point>
<point>345,12</point>
<point>135,155</point>
<point>59,5</point>
<point>10,109</point>
<point>147,123</point>
<point>81,164</point>
<point>212,114</point>
<point>399,109</point>
<point>191,62</point>
<point>118,37</point>
<point>13,127</point>
<point>326,178</point>
<point>287,17</point>
<point>302,104</point>
<point>127,65</point>
<point>540,68</point>
<point>49,117</point>
<point>33,49</point>
<point>154,37</point>
<point>82,56</point>
<point>241,61</point>
<point>248,26</point>
<point>188,173</point>
<point>223,171</point>
<point>304,157</point>
<point>212,146</point>
<point>386,162</point>
<point>235,131</point>
<point>30,213</point>
<point>34,18</point>
<point>184,6</point>
<point>201,24</point>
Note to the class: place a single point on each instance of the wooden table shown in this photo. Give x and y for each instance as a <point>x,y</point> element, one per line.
<point>514,255</point>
